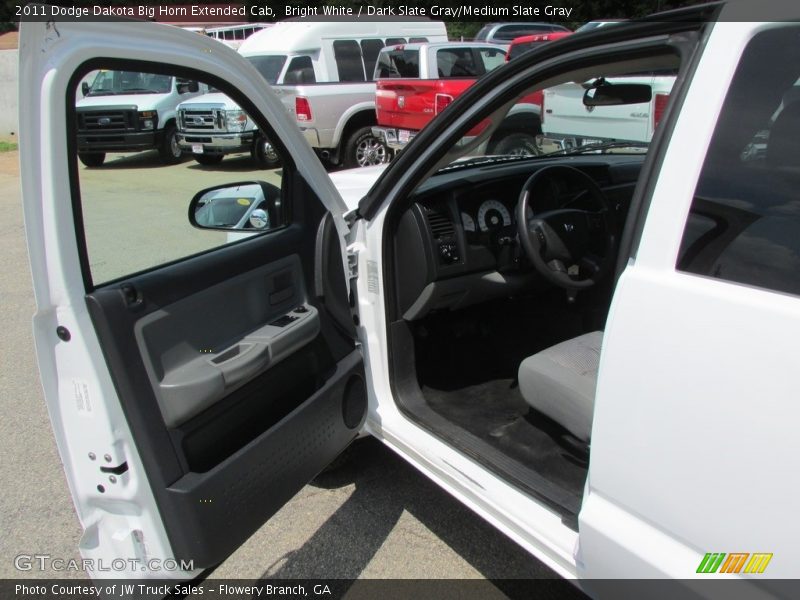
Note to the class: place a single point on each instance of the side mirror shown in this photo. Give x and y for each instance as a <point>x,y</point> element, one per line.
<point>85,88</point>
<point>616,94</point>
<point>237,206</point>
<point>188,86</point>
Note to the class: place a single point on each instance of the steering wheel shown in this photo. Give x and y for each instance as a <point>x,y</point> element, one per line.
<point>556,241</point>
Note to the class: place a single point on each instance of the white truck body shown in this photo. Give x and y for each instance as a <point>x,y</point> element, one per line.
<point>566,119</point>
<point>694,415</point>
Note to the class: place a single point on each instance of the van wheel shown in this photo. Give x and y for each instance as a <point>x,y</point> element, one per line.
<point>264,154</point>
<point>169,150</point>
<point>208,159</point>
<point>517,144</point>
<point>363,149</point>
<point>92,159</point>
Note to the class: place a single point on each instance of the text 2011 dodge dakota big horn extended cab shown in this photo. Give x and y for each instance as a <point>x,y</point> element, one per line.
<point>593,349</point>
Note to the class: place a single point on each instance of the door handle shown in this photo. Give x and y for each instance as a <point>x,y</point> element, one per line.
<point>241,361</point>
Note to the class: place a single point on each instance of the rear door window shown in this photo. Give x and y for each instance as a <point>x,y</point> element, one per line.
<point>398,64</point>
<point>491,58</point>
<point>459,62</point>
<point>744,223</point>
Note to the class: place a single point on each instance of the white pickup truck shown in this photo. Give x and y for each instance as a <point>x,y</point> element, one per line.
<point>212,125</point>
<point>569,120</point>
<point>323,73</point>
<point>594,350</point>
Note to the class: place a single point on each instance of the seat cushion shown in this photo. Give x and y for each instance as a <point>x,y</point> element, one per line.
<point>561,381</point>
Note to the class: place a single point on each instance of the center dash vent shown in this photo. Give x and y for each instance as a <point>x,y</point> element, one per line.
<point>441,226</point>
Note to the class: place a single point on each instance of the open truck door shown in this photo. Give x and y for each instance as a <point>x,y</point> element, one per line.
<point>194,385</point>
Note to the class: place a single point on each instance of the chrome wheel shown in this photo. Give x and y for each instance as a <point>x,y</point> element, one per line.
<point>371,151</point>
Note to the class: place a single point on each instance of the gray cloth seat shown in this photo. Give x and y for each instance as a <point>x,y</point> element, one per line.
<point>561,381</point>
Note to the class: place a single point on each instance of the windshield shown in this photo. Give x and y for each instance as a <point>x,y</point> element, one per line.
<point>109,83</point>
<point>598,114</point>
<point>269,66</point>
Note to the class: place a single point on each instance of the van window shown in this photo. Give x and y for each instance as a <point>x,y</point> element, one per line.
<point>301,70</point>
<point>398,63</point>
<point>348,60</point>
<point>269,66</point>
<point>395,41</point>
<point>417,40</point>
<point>744,223</point>
<point>370,50</point>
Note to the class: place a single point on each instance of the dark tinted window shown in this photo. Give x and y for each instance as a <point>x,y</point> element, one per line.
<point>744,224</point>
<point>395,41</point>
<point>458,62</point>
<point>397,64</point>
<point>269,66</point>
<point>506,33</point>
<point>370,49</point>
<point>300,70</point>
<point>417,40</point>
<point>348,60</point>
<point>521,48</point>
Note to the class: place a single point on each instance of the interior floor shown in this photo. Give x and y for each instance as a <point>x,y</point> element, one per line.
<point>495,412</point>
<point>467,364</point>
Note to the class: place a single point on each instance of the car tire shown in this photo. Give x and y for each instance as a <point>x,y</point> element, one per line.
<point>264,154</point>
<point>363,149</point>
<point>92,159</point>
<point>208,159</point>
<point>169,151</point>
<point>517,144</point>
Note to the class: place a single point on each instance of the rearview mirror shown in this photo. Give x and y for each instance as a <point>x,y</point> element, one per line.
<point>617,94</point>
<point>187,86</point>
<point>249,205</point>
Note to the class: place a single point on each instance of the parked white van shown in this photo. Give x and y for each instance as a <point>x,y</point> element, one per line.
<point>127,111</point>
<point>297,58</point>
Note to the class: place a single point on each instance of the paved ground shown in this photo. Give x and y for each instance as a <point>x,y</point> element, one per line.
<point>375,518</point>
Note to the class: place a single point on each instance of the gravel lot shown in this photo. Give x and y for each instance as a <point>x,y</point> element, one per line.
<point>374,518</point>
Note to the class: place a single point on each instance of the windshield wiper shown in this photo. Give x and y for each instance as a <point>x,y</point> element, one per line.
<point>139,91</point>
<point>599,147</point>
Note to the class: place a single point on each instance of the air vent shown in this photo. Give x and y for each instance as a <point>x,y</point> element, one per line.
<point>441,226</point>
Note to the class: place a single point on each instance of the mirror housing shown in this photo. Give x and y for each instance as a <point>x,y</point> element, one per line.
<point>603,93</point>
<point>85,88</point>
<point>185,86</point>
<point>243,206</point>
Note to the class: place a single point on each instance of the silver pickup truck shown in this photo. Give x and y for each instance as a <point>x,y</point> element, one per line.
<point>323,74</point>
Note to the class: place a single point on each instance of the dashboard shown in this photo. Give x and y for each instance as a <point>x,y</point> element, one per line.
<point>457,245</point>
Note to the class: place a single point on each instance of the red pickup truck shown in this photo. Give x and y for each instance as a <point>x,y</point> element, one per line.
<point>415,82</point>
